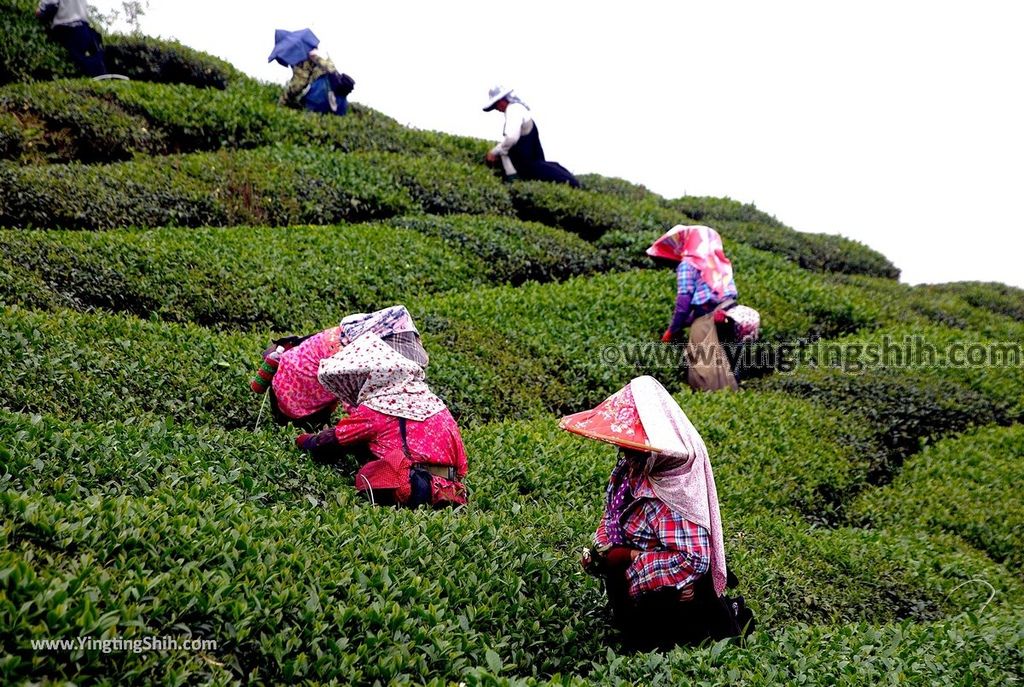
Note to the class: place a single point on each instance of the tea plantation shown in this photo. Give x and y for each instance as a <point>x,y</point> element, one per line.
<point>154,234</point>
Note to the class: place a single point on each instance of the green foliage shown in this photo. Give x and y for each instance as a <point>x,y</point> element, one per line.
<point>998,298</point>
<point>150,59</point>
<point>816,252</point>
<point>93,130</point>
<point>588,214</point>
<point>512,251</point>
<point>275,186</point>
<point>906,393</point>
<point>497,351</point>
<point>708,210</point>
<point>59,119</point>
<point>613,186</point>
<point>153,529</point>
<point>983,649</point>
<point>442,187</point>
<point>26,54</point>
<point>292,279</point>
<point>968,486</point>
<point>107,367</point>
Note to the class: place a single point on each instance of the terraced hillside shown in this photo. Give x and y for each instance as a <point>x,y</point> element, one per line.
<point>157,234</point>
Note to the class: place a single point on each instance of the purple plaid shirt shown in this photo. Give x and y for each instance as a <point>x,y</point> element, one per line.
<point>693,292</point>
<point>675,551</point>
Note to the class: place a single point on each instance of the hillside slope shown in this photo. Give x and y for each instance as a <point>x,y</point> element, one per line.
<point>153,236</point>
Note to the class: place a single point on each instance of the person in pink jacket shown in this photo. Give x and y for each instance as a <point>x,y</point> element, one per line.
<point>413,444</point>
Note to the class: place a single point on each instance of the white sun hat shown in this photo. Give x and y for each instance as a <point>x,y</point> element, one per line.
<point>494,95</point>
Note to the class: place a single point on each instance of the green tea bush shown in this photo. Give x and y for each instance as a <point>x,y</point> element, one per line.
<point>613,186</point>
<point>277,279</point>
<point>67,121</point>
<point>496,351</point>
<point>11,140</point>
<point>150,59</point>
<point>443,187</point>
<point>966,486</point>
<point>275,186</point>
<point>903,408</point>
<point>816,252</point>
<point>26,54</point>
<point>708,210</point>
<point>93,130</point>
<point>157,529</point>
<point>512,251</point>
<point>982,649</point>
<point>101,367</point>
<point>998,298</point>
<point>588,214</point>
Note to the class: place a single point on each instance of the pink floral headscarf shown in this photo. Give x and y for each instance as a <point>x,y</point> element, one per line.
<point>701,247</point>
<point>369,372</point>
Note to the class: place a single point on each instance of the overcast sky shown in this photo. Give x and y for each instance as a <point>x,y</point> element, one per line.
<point>898,124</point>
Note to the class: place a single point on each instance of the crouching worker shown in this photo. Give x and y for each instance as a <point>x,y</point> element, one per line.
<point>68,24</point>
<point>288,373</point>
<point>706,303</point>
<point>416,451</point>
<point>316,85</point>
<point>519,151</point>
<point>659,546</point>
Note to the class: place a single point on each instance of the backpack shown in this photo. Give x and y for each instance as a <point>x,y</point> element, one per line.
<point>341,84</point>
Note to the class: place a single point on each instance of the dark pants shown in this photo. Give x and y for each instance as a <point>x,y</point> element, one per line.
<point>84,45</point>
<point>527,156</point>
<point>659,620</point>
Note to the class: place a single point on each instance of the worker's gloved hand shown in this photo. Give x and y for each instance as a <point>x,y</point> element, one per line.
<point>316,442</point>
<point>619,557</point>
<point>668,336</point>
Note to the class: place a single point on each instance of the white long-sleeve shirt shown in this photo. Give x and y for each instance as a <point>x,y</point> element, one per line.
<point>68,11</point>
<point>518,122</point>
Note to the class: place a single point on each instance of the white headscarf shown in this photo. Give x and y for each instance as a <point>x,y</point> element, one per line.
<point>680,473</point>
<point>369,372</point>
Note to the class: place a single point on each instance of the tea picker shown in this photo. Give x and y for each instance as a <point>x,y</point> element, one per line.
<point>519,151</point>
<point>316,85</point>
<point>67,22</point>
<point>659,546</point>
<point>706,298</point>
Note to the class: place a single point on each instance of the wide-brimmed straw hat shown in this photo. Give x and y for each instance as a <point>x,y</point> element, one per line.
<point>495,94</point>
<point>615,421</point>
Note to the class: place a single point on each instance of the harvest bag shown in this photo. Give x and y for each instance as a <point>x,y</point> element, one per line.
<point>413,477</point>
<point>746,321</point>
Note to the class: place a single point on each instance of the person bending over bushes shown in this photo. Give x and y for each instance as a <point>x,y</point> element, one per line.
<point>519,151</point>
<point>659,546</point>
<point>706,302</point>
<point>289,369</point>
<point>68,22</point>
<point>416,451</point>
<point>316,84</point>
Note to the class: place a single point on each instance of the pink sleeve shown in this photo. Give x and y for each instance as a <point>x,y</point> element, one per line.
<point>359,427</point>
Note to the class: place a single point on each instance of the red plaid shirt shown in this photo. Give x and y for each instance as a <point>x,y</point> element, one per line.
<point>675,551</point>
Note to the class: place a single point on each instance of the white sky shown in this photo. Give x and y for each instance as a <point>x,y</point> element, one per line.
<point>898,124</point>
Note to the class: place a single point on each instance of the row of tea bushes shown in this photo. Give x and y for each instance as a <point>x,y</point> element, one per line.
<point>276,186</point>
<point>967,486</point>
<point>225,542</point>
<point>27,54</point>
<point>496,351</point>
<point>282,279</point>
<point>88,121</point>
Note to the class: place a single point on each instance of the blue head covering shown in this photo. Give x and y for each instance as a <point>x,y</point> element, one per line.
<point>292,47</point>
